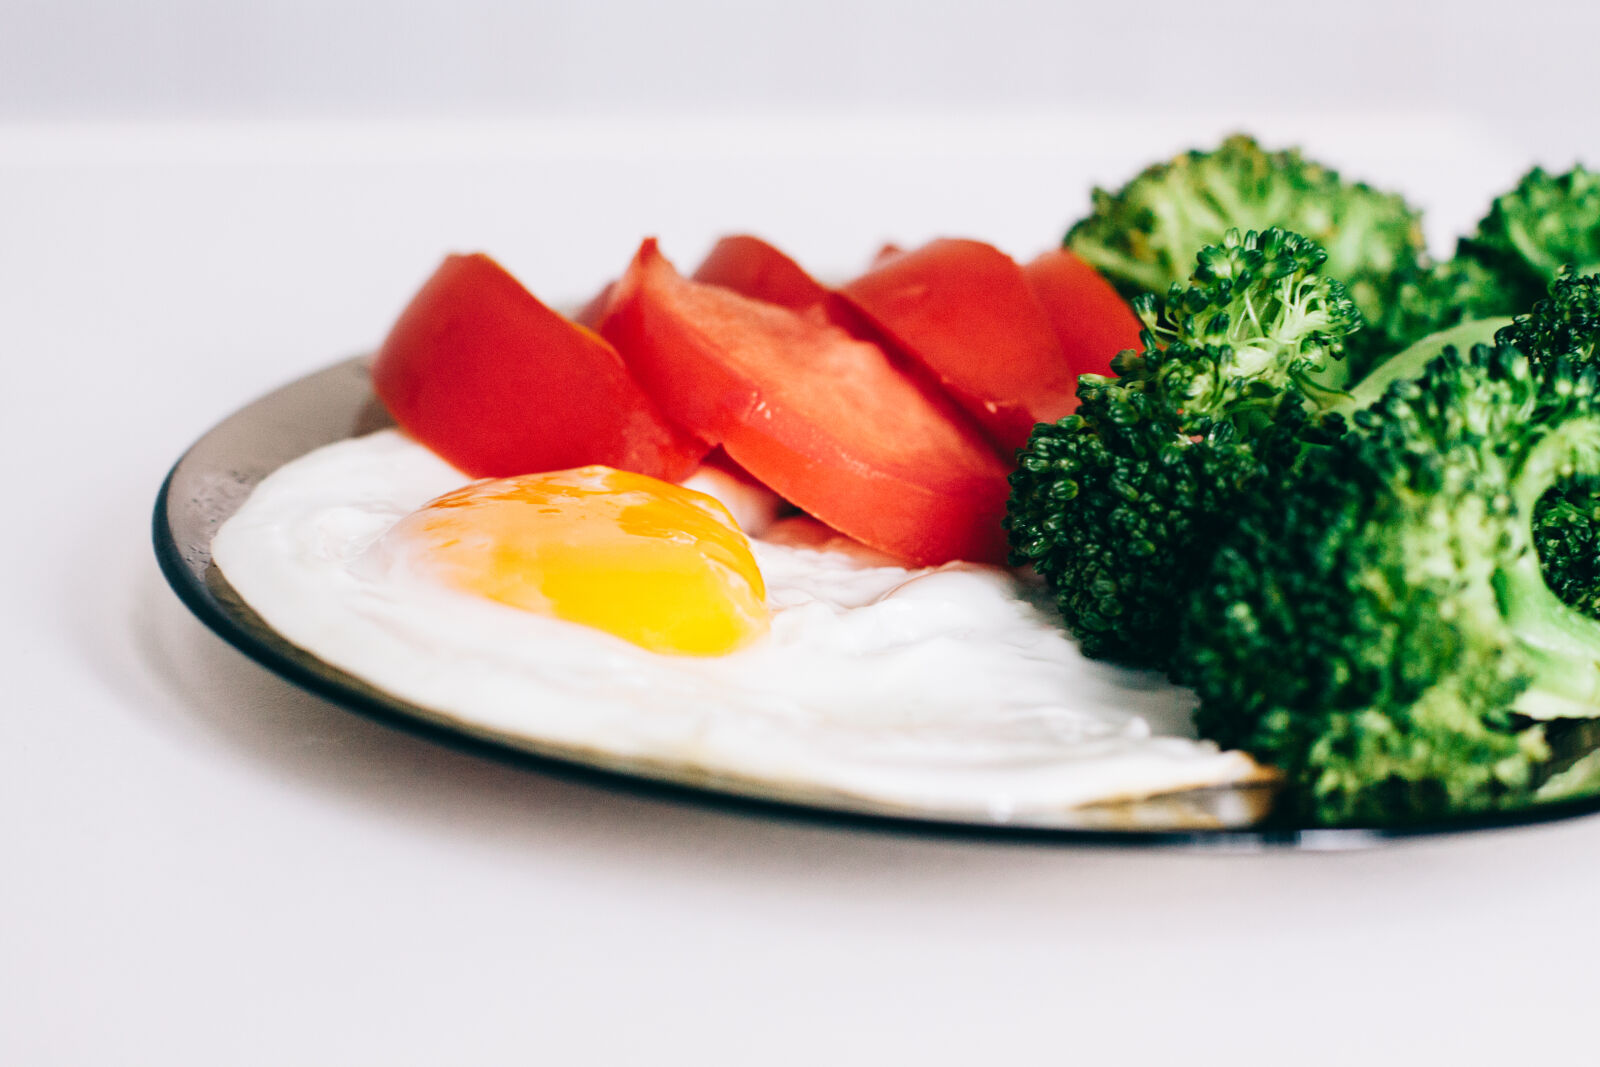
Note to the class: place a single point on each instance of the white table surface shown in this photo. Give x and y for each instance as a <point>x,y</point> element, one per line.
<point>204,865</point>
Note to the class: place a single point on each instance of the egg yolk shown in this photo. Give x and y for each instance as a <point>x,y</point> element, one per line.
<point>651,562</point>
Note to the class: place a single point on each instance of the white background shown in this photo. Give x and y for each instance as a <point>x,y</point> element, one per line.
<point>203,865</point>
<point>1518,68</point>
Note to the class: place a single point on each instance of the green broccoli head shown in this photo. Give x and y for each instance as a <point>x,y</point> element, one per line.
<point>1109,504</point>
<point>1432,297</point>
<point>1144,236</point>
<point>1381,631</point>
<point>1565,325</point>
<point>1547,224</point>
<point>1566,534</point>
<point>1117,504</point>
<point>1274,319</point>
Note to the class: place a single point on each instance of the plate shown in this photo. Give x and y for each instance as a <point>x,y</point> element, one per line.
<point>214,477</point>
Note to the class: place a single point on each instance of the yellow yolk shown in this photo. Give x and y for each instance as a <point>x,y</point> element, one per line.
<point>651,562</point>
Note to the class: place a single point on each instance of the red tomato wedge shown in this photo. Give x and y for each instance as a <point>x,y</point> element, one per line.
<point>821,417</point>
<point>590,314</point>
<point>964,311</point>
<point>481,372</point>
<point>751,266</point>
<point>1091,320</point>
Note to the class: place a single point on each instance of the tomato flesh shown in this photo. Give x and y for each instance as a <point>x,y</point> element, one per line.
<point>964,310</point>
<point>755,268</point>
<point>482,373</point>
<point>820,416</point>
<point>590,314</point>
<point>752,267</point>
<point>1092,322</point>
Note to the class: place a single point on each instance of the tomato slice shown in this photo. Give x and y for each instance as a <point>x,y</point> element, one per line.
<point>1091,320</point>
<point>751,266</point>
<point>480,371</point>
<point>590,314</point>
<point>820,416</point>
<point>964,310</point>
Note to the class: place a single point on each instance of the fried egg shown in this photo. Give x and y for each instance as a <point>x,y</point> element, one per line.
<point>629,622</point>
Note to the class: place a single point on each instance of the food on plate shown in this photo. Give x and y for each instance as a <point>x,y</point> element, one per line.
<point>1566,523</point>
<point>945,691</point>
<point>1006,343</point>
<point>483,373</point>
<point>1545,224</point>
<point>1342,549</point>
<point>964,311</point>
<point>1329,484</point>
<point>1387,600</point>
<point>651,562</point>
<point>885,251</point>
<point>1378,626</point>
<point>1144,236</point>
<point>822,417</point>
<point>1118,505</point>
<point>757,269</point>
<point>1091,321</point>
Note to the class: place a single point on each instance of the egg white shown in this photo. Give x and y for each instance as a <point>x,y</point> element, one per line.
<point>947,691</point>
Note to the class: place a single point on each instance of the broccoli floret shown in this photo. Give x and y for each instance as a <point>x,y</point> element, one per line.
<point>1430,297</point>
<point>1117,505</point>
<point>1547,223</point>
<point>1565,324</point>
<point>1566,534</point>
<point>1566,524</point>
<point>1144,236</point>
<point>1382,632</point>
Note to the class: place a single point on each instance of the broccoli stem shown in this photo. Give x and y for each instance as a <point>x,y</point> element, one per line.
<point>1564,644</point>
